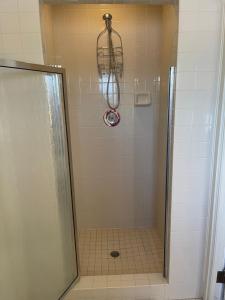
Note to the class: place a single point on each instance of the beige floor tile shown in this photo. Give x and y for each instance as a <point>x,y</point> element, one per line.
<point>140,251</point>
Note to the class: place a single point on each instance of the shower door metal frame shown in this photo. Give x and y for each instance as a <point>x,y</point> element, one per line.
<point>169,168</point>
<point>12,64</point>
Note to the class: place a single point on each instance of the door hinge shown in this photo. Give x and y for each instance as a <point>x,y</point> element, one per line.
<point>220,277</point>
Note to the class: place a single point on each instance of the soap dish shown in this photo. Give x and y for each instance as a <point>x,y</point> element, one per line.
<point>142,99</point>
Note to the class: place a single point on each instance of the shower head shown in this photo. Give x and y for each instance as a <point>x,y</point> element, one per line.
<point>107,17</point>
<point>108,20</point>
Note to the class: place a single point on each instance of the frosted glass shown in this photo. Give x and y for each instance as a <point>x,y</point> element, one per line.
<point>37,248</point>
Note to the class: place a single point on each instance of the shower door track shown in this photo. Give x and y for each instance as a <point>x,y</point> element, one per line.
<point>13,64</point>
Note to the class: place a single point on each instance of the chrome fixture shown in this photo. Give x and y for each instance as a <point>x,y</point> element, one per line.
<point>110,68</point>
<point>169,160</point>
<point>111,118</point>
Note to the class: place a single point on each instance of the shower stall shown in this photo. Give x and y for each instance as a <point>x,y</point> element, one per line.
<point>120,170</point>
<point>86,160</point>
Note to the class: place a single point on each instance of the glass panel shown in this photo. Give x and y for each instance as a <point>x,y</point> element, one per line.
<point>37,248</point>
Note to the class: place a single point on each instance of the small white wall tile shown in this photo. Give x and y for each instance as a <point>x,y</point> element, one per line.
<point>12,43</point>
<point>184,290</point>
<point>209,5</point>
<point>208,21</point>
<point>199,21</point>
<point>8,6</point>
<point>194,100</point>
<point>191,62</point>
<point>188,21</point>
<point>29,22</point>
<point>30,57</point>
<point>13,56</point>
<point>1,44</point>
<point>202,118</point>
<point>9,23</point>
<point>186,80</point>
<point>28,5</point>
<point>194,133</point>
<point>184,117</point>
<point>199,5</point>
<point>156,278</point>
<point>194,41</point>
<point>191,5</point>
<point>206,80</point>
<point>31,42</point>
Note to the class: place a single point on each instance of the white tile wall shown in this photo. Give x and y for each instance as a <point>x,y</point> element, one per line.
<point>195,103</point>
<point>115,167</point>
<point>20,36</point>
<point>190,185</point>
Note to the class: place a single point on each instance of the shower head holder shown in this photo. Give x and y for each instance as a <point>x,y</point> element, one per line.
<point>109,49</point>
<point>108,20</point>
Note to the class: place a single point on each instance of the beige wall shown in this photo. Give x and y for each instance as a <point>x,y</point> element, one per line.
<point>115,168</point>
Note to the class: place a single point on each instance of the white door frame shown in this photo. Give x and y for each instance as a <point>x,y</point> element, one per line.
<point>215,250</point>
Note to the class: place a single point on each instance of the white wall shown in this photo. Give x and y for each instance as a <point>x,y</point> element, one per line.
<point>197,71</point>
<point>114,167</point>
<point>20,36</point>
<point>198,48</point>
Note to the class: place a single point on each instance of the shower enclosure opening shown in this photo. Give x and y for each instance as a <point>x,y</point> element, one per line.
<point>121,174</point>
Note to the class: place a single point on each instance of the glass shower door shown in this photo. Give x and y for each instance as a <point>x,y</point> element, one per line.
<point>37,241</point>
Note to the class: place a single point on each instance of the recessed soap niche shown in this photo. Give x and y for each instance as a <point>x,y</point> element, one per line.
<point>142,99</point>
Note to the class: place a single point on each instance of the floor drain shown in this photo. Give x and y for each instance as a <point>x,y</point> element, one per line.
<point>115,254</point>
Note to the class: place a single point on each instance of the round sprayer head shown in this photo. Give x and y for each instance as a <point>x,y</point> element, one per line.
<point>107,17</point>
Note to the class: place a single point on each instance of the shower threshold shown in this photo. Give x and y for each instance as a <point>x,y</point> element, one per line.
<point>119,281</point>
<point>119,287</point>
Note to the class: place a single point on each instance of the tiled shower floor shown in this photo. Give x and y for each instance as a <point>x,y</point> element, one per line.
<point>141,251</point>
